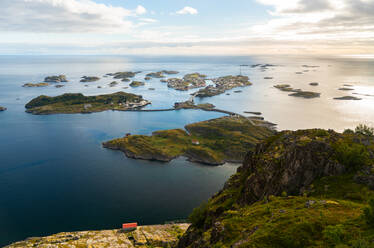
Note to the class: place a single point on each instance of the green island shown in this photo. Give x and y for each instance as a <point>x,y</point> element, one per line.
<point>137,83</point>
<point>306,188</point>
<point>214,142</point>
<point>78,103</point>
<point>2,109</point>
<point>31,85</point>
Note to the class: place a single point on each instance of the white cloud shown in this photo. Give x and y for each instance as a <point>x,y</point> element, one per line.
<point>328,20</point>
<point>62,16</point>
<point>140,10</point>
<point>187,11</point>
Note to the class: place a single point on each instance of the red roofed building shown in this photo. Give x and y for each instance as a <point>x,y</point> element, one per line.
<point>128,227</point>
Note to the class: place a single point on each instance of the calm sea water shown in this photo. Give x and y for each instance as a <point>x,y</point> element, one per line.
<point>55,176</point>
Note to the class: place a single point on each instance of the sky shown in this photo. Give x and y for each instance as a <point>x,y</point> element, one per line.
<point>187,27</point>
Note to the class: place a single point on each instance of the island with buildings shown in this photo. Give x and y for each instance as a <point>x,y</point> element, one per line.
<point>71,103</point>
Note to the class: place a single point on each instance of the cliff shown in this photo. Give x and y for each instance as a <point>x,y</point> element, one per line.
<point>306,188</point>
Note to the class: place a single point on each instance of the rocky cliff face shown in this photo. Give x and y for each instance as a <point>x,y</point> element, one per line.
<point>287,166</point>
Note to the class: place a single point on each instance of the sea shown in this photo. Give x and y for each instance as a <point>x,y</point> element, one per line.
<point>55,175</point>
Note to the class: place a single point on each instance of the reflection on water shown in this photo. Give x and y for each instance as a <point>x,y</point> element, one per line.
<point>55,176</point>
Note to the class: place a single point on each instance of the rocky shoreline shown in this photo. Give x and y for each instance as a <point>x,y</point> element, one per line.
<point>145,236</point>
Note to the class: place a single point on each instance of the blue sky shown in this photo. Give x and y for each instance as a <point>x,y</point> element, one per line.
<point>187,27</point>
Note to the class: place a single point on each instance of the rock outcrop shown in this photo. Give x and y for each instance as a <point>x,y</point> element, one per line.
<point>282,185</point>
<point>145,236</point>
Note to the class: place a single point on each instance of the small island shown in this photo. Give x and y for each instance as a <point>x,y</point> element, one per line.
<point>56,79</point>
<point>213,142</point>
<point>348,98</point>
<point>32,85</point>
<point>124,76</point>
<point>161,74</point>
<point>137,83</point>
<point>2,109</point>
<point>86,79</point>
<point>297,92</point>
<point>191,105</point>
<point>112,84</point>
<point>223,84</point>
<point>345,89</point>
<point>306,94</point>
<point>71,103</point>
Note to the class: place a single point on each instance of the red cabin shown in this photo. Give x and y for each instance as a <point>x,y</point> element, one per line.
<point>128,227</point>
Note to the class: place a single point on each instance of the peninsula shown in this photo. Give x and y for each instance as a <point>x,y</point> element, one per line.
<point>214,142</point>
<point>78,103</point>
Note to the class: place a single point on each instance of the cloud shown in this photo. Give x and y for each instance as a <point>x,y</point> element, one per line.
<point>328,20</point>
<point>63,16</point>
<point>187,11</point>
<point>140,10</point>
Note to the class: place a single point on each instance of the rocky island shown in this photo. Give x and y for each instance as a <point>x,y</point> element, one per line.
<point>189,81</point>
<point>136,84</point>
<point>86,79</point>
<point>145,236</point>
<point>56,79</point>
<point>78,103</point>
<point>348,98</point>
<point>297,92</point>
<point>213,142</point>
<point>2,109</point>
<point>223,84</point>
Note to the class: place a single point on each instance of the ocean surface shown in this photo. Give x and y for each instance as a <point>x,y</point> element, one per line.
<point>55,176</point>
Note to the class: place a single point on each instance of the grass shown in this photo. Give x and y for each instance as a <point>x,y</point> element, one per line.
<point>78,103</point>
<point>219,140</point>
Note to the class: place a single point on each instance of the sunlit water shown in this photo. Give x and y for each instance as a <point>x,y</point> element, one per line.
<point>55,176</point>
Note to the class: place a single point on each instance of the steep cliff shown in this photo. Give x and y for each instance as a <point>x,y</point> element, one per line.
<point>306,188</point>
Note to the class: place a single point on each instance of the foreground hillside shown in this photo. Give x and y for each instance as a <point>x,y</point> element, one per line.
<point>144,236</point>
<point>306,188</point>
